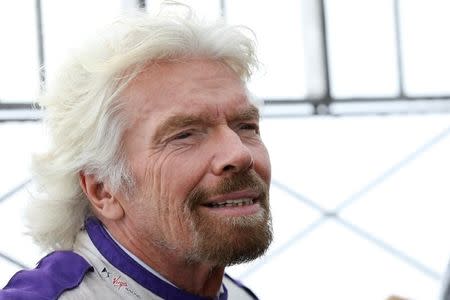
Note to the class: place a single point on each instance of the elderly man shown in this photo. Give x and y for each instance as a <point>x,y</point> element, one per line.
<point>156,177</point>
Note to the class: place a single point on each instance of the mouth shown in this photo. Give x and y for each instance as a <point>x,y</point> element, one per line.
<point>234,204</point>
<point>231,203</point>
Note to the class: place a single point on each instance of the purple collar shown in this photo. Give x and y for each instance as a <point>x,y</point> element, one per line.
<point>119,259</point>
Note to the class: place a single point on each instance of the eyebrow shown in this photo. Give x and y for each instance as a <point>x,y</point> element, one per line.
<point>251,113</point>
<point>177,122</point>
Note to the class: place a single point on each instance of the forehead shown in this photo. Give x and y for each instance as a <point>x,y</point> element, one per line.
<point>189,87</point>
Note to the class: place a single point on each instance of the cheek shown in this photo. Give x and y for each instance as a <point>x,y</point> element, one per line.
<point>182,173</point>
<point>179,175</point>
<point>168,180</point>
<point>262,163</point>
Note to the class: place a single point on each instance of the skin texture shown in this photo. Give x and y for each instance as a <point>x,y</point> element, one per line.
<point>193,138</point>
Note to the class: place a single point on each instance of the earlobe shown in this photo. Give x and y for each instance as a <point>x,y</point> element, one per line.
<point>102,200</point>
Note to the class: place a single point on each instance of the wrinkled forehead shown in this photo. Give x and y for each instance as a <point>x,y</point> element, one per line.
<point>193,86</point>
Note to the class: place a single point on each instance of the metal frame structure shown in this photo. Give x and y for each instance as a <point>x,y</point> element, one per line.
<point>322,105</point>
<point>335,214</point>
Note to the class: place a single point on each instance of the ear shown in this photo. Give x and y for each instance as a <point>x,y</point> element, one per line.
<point>100,195</point>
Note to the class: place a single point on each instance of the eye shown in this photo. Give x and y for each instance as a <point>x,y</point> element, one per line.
<point>182,135</point>
<point>249,127</point>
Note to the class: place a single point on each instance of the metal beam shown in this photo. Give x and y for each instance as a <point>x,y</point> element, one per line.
<point>13,261</point>
<point>18,105</point>
<point>284,108</point>
<point>40,44</point>
<point>397,253</point>
<point>353,100</point>
<point>399,49</point>
<point>141,4</point>
<point>4,105</point>
<point>14,190</point>
<point>223,13</point>
<point>326,67</point>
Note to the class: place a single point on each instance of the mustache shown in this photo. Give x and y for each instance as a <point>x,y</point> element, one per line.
<point>247,180</point>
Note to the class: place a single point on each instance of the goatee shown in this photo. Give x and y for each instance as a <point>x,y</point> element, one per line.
<point>230,240</point>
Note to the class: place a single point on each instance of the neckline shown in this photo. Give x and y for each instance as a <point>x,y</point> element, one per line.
<point>119,259</point>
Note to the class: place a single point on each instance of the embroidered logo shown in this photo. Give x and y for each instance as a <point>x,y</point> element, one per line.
<point>105,273</point>
<point>118,282</point>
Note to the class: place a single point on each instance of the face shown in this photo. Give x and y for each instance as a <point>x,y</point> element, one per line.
<point>202,171</point>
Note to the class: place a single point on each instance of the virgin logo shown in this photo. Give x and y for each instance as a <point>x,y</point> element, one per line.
<point>119,282</point>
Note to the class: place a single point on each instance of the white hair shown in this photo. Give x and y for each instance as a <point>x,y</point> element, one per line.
<point>84,112</point>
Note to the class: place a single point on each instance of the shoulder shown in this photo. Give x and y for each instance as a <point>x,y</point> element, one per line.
<point>236,290</point>
<point>55,273</point>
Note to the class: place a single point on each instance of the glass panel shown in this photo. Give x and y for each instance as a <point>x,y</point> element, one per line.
<point>67,23</point>
<point>19,74</point>
<point>278,28</point>
<point>361,47</point>
<point>426,47</point>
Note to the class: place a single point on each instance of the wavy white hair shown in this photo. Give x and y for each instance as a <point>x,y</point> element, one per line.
<point>84,112</point>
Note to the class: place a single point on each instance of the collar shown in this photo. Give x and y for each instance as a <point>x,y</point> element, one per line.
<point>123,262</point>
<point>137,259</point>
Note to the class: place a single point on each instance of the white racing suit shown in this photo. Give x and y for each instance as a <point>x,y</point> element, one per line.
<point>98,268</point>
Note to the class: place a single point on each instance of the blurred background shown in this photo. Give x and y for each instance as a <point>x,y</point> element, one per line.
<point>357,122</point>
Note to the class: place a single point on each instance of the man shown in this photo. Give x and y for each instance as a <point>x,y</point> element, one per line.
<point>156,177</point>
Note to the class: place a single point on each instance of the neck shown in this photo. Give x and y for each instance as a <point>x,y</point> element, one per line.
<point>199,278</point>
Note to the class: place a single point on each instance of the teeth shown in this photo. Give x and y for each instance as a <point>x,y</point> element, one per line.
<point>231,203</point>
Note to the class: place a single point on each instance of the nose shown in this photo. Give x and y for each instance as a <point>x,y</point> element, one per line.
<point>231,154</point>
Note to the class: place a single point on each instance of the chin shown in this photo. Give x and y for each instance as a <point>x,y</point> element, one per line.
<point>231,241</point>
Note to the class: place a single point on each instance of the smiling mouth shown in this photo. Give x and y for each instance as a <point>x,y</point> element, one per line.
<point>231,203</point>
